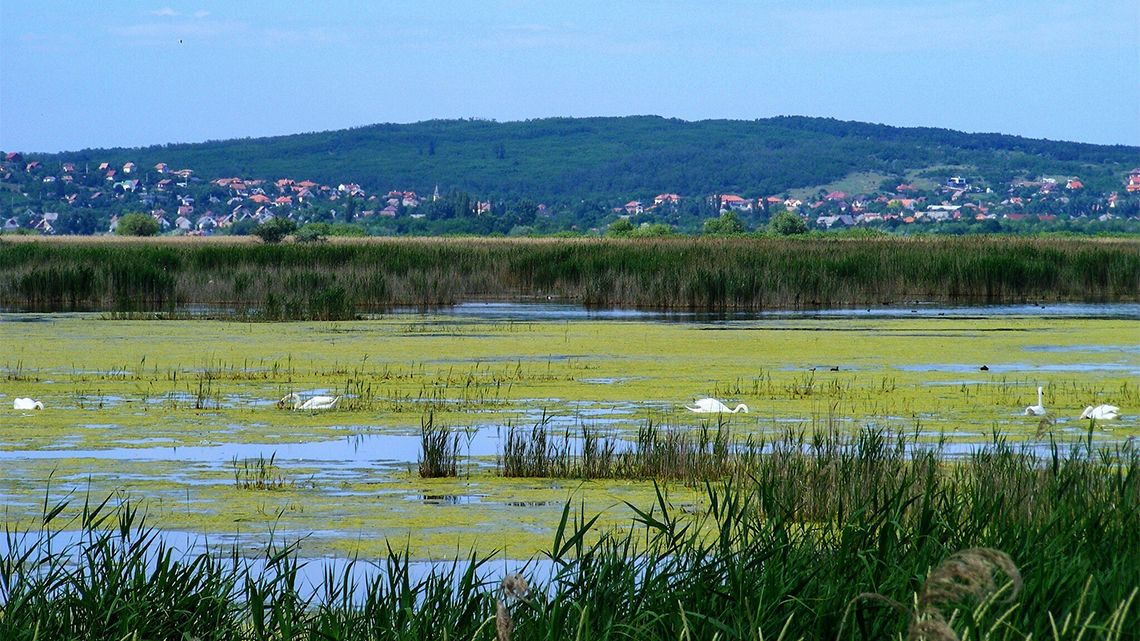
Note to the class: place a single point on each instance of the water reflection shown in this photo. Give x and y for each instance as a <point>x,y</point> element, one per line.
<point>523,312</point>
<point>1003,368</point>
<point>562,312</point>
<point>250,558</point>
<point>356,450</point>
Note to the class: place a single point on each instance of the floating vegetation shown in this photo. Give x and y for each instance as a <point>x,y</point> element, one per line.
<point>980,548</point>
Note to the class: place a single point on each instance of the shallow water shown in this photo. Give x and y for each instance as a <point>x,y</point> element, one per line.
<point>349,451</point>
<point>917,309</point>
<point>120,398</point>
<point>311,572</point>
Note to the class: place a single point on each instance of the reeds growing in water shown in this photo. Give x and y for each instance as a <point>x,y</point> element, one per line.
<point>339,280</point>
<point>439,449</point>
<point>1002,544</point>
<point>670,453</point>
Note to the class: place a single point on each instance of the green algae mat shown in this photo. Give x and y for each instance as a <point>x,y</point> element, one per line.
<point>183,415</point>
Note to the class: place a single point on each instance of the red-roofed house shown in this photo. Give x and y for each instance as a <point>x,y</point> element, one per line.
<point>1133,184</point>
<point>732,201</point>
<point>1074,183</point>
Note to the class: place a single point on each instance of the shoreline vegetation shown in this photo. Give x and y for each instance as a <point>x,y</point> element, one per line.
<point>341,280</point>
<point>826,536</point>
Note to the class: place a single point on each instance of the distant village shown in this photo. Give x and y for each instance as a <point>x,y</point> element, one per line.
<point>65,198</point>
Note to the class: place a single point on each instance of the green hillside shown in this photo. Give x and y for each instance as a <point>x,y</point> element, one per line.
<point>567,159</point>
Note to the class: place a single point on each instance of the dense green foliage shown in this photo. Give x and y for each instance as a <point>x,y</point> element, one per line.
<point>137,224</point>
<point>275,230</point>
<point>338,280</point>
<point>784,549</point>
<point>787,224</point>
<point>570,159</point>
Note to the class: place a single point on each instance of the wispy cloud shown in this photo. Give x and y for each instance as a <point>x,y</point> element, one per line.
<point>167,12</point>
<point>568,37</point>
<point>232,32</point>
<point>149,33</point>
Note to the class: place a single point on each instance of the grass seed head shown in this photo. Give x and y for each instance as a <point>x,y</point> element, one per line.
<point>967,574</point>
<point>514,586</point>
<point>503,624</point>
<point>933,628</point>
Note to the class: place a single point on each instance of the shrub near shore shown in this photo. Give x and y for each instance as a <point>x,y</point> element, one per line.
<point>339,280</point>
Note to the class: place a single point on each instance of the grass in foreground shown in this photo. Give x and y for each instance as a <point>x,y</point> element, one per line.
<point>1050,547</point>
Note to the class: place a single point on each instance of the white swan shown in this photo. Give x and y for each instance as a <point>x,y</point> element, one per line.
<point>294,401</point>
<point>1102,412</point>
<point>713,406</point>
<point>1038,409</point>
<point>27,404</point>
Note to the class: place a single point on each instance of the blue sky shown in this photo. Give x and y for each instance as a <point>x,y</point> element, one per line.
<point>130,73</point>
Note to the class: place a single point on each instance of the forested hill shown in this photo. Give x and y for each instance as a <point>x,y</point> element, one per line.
<point>563,159</point>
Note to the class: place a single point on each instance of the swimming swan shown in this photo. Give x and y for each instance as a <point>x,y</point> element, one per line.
<point>1038,409</point>
<point>1102,412</point>
<point>294,401</point>
<point>713,406</point>
<point>27,404</point>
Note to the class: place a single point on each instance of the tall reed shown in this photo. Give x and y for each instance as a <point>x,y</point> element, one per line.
<point>777,553</point>
<point>439,449</point>
<point>336,281</point>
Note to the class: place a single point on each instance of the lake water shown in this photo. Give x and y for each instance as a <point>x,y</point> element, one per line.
<point>172,412</point>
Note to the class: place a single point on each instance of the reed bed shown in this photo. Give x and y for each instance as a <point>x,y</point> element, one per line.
<point>822,534</point>
<point>864,534</point>
<point>439,449</point>
<point>670,453</point>
<point>338,281</point>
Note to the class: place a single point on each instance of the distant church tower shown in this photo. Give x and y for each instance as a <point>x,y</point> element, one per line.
<point>435,194</point>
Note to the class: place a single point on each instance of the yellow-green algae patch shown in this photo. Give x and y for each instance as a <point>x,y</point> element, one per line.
<point>111,386</point>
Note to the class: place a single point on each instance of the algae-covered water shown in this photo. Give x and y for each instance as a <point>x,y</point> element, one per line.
<point>175,413</point>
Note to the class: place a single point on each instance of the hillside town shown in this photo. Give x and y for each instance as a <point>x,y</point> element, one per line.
<point>65,198</point>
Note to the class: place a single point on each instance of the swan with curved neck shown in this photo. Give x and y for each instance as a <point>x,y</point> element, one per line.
<point>294,401</point>
<point>1038,409</point>
<point>1101,412</point>
<point>713,406</point>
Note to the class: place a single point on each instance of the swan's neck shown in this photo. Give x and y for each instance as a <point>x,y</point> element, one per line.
<point>740,407</point>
